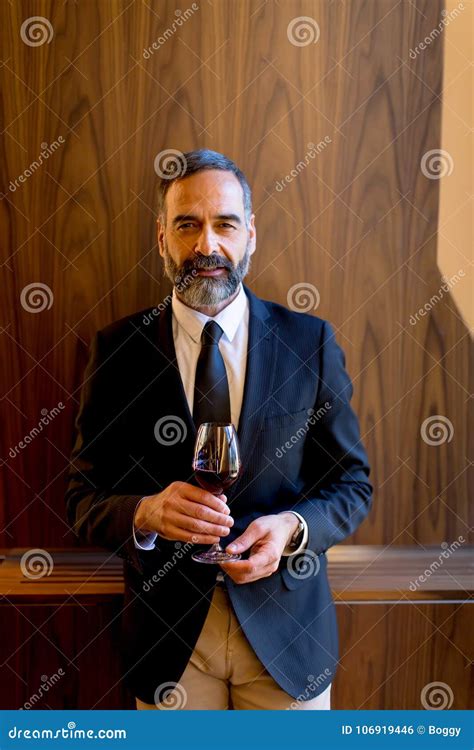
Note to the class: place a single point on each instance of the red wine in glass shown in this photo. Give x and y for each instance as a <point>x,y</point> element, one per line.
<point>217,465</point>
<point>213,481</point>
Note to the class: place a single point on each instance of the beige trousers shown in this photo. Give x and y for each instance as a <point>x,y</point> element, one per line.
<point>224,672</point>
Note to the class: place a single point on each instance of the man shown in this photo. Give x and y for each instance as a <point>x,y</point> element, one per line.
<point>260,632</point>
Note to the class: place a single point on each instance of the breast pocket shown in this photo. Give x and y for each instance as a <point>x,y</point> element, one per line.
<point>286,419</point>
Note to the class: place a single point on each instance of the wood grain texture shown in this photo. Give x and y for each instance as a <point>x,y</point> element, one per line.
<point>359,222</point>
<point>356,573</point>
<point>395,637</point>
<point>392,652</point>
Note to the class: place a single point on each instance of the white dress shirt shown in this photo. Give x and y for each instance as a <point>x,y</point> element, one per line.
<point>188,325</point>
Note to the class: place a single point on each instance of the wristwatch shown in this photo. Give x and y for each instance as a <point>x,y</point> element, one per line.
<point>295,540</point>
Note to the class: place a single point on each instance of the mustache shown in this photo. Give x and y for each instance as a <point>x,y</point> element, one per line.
<point>206,263</point>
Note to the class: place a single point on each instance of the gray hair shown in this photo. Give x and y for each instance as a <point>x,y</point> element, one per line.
<point>197,161</point>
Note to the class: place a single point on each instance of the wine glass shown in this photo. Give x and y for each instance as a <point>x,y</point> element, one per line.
<point>216,465</point>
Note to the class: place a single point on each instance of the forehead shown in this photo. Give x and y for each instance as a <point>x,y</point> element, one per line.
<point>211,190</point>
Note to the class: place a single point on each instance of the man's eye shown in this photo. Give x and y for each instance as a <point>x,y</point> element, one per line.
<point>189,224</point>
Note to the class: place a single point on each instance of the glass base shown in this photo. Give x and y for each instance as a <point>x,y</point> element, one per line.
<point>213,556</point>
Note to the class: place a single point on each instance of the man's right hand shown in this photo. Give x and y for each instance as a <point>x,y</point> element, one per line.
<point>185,513</point>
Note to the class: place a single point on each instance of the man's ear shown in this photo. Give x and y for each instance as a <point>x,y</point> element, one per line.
<point>252,234</point>
<point>160,233</point>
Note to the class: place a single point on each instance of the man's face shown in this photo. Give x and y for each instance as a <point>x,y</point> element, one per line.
<point>206,244</point>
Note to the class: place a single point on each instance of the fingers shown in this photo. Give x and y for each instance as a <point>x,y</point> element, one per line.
<point>204,513</point>
<point>182,535</point>
<point>198,495</point>
<point>244,571</point>
<point>196,526</point>
<point>243,542</point>
<point>261,564</point>
<point>187,513</point>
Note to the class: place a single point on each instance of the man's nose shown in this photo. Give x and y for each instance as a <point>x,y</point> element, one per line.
<point>207,242</point>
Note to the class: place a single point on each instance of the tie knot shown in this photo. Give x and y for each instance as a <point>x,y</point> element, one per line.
<point>211,333</point>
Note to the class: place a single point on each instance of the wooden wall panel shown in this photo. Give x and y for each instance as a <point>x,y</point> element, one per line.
<point>359,222</point>
<point>59,659</point>
<point>392,652</point>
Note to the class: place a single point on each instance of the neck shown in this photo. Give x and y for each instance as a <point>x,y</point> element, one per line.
<point>211,310</point>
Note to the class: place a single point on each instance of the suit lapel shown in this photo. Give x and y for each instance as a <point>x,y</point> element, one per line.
<point>260,373</point>
<point>177,398</point>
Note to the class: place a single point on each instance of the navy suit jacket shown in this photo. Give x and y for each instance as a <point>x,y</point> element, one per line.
<point>301,450</point>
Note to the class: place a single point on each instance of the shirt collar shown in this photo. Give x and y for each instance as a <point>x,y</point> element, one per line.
<point>194,321</point>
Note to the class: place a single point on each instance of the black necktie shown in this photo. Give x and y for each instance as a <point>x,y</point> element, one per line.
<point>211,389</point>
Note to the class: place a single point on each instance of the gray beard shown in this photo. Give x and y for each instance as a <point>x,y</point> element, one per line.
<point>197,291</point>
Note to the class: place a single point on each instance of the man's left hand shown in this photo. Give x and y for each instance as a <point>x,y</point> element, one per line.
<point>266,537</point>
